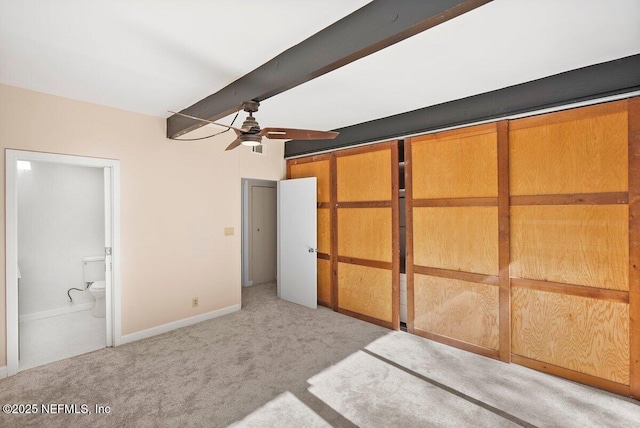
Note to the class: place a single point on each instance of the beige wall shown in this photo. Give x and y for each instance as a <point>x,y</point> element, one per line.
<point>176,199</point>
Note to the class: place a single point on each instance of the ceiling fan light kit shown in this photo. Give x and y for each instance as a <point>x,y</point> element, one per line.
<point>251,140</point>
<point>250,133</point>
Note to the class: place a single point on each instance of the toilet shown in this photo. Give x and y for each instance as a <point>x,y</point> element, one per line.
<point>93,270</point>
<point>97,290</point>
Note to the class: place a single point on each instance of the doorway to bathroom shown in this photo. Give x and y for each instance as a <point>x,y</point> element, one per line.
<point>259,232</point>
<point>62,258</point>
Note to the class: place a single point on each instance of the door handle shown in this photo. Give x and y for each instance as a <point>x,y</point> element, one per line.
<point>313,250</point>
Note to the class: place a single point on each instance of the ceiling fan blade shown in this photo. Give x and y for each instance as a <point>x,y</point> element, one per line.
<point>234,144</point>
<point>297,134</point>
<point>238,130</point>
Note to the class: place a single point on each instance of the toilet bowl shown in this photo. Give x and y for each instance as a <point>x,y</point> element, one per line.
<point>97,290</point>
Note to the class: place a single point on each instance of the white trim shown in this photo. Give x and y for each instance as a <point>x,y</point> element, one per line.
<point>11,241</point>
<point>3,372</point>
<point>108,258</point>
<point>154,331</point>
<point>496,119</point>
<point>55,312</point>
<point>11,261</point>
<point>116,301</point>
<point>245,234</point>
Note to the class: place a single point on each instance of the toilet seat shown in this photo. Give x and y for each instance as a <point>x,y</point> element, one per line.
<point>98,285</point>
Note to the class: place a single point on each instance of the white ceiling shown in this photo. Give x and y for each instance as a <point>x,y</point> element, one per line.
<point>150,56</point>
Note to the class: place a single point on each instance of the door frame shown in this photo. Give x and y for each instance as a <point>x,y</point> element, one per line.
<point>113,292</point>
<point>247,184</point>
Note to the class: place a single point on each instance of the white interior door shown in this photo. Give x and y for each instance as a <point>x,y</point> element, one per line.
<point>297,241</point>
<point>108,257</point>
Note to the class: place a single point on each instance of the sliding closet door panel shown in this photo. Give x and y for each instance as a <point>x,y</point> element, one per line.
<point>453,280</point>
<point>324,281</point>
<point>572,244</point>
<point>365,290</point>
<point>453,308</point>
<point>368,275</point>
<point>582,334</point>
<point>324,230</point>
<point>474,172</point>
<point>575,151</point>
<point>365,233</point>
<point>318,169</point>
<point>365,176</point>
<point>457,238</point>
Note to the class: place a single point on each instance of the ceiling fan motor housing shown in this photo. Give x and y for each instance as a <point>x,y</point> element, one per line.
<point>251,124</point>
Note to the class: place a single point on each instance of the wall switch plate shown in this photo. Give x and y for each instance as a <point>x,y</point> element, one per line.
<point>195,302</point>
<point>229,231</point>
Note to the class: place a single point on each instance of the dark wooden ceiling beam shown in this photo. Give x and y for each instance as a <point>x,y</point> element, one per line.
<point>615,77</point>
<point>369,29</point>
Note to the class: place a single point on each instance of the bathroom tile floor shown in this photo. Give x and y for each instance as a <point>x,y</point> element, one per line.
<point>51,339</point>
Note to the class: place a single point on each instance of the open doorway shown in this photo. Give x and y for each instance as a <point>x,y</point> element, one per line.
<point>62,257</point>
<point>259,232</point>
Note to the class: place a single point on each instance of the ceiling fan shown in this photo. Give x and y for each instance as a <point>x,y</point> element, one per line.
<point>250,133</point>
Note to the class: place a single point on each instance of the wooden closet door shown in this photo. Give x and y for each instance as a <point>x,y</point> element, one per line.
<point>320,167</point>
<point>368,245</point>
<point>453,262</point>
<point>569,179</point>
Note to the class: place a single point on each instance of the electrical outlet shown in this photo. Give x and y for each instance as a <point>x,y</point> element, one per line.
<point>195,302</point>
<point>229,231</point>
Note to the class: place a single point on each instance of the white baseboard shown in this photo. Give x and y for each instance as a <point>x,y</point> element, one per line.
<point>56,312</point>
<point>154,331</point>
<point>3,372</point>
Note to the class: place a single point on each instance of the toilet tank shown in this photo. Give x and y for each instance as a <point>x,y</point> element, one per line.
<point>93,268</point>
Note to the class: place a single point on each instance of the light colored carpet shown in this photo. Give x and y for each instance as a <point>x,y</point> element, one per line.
<point>210,374</point>
<point>279,364</point>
